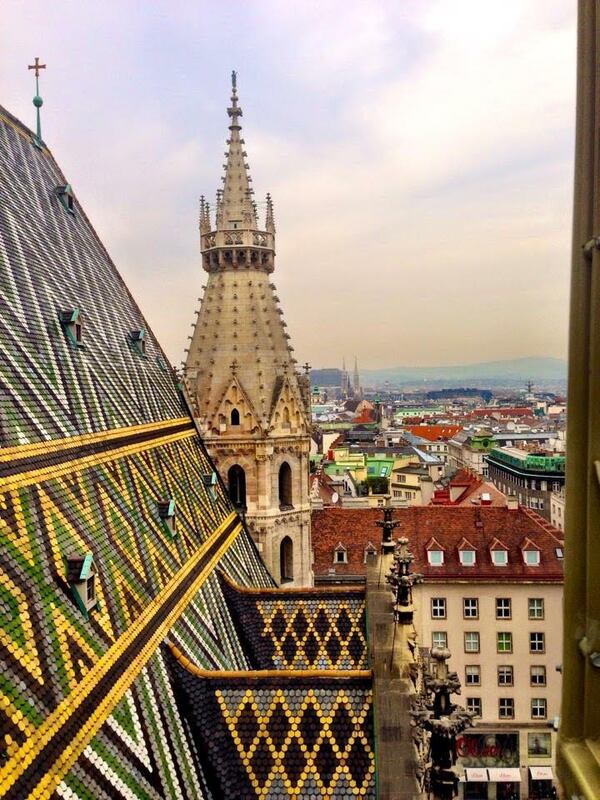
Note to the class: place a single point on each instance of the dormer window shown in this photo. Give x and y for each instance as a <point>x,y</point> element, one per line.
<point>210,481</point>
<point>435,557</point>
<point>138,340</point>
<point>81,577</point>
<point>370,553</point>
<point>340,554</point>
<point>499,558</point>
<point>467,558</point>
<point>166,512</point>
<point>65,195</point>
<point>72,324</point>
<point>531,557</point>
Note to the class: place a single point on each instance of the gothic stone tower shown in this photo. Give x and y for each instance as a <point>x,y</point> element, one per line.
<point>251,404</point>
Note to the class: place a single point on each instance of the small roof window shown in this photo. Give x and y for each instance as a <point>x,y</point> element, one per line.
<point>65,195</point>
<point>81,577</point>
<point>499,553</point>
<point>166,512</point>
<point>435,552</point>
<point>340,554</point>
<point>210,480</point>
<point>138,339</point>
<point>467,553</point>
<point>72,324</point>
<point>560,553</point>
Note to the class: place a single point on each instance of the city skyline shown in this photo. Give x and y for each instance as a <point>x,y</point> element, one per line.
<point>403,153</point>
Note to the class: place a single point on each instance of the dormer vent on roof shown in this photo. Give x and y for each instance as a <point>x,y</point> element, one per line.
<point>138,340</point>
<point>72,324</point>
<point>166,512</point>
<point>209,480</point>
<point>66,197</point>
<point>81,577</point>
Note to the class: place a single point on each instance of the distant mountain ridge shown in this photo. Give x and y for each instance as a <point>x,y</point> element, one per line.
<point>544,370</point>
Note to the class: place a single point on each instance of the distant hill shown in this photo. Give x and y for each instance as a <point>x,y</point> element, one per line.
<point>542,371</point>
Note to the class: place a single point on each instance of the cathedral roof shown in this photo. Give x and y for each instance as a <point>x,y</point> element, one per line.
<point>110,519</point>
<point>114,525</point>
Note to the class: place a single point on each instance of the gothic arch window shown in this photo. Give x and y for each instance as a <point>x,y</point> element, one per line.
<point>286,417</point>
<point>286,559</point>
<point>235,417</point>
<point>236,478</point>
<point>285,486</point>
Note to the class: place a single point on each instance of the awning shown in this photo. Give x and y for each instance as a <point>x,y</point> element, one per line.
<point>476,775</point>
<point>541,773</point>
<point>504,774</point>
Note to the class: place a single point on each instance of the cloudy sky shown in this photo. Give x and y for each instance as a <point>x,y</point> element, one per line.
<point>419,153</point>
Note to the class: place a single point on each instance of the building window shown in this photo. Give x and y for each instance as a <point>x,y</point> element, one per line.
<point>370,553</point>
<point>91,590</point>
<point>435,557</point>
<point>537,676</point>
<point>438,608</point>
<point>499,558</point>
<point>236,479</point>
<point>340,554</point>
<point>467,558</point>
<point>470,607</point>
<point>474,705</point>
<point>506,708</point>
<point>537,643</point>
<point>285,486</point>
<point>473,675</point>
<point>503,608</point>
<point>504,642</point>
<point>471,642</point>
<point>235,416</point>
<point>536,607</point>
<point>531,557</point>
<point>439,639</point>
<point>505,676</point>
<point>286,559</point>
<point>539,708</point>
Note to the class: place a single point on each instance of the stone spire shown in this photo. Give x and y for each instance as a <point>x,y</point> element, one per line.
<point>238,209</point>
<point>250,401</point>
<point>356,379</point>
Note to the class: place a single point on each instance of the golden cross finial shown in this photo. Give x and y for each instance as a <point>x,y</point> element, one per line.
<point>36,66</point>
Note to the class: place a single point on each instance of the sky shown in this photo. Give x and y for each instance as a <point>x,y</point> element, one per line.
<point>419,154</point>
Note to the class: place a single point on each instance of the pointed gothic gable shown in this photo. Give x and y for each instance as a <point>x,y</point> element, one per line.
<point>287,415</point>
<point>235,413</point>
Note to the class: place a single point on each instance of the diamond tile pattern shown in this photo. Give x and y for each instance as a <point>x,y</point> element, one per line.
<point>264,740</point>
<point>296,630</point>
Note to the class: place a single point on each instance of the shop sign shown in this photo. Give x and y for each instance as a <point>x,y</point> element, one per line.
<point>488,749</point>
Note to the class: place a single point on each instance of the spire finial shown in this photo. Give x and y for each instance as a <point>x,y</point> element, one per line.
<point>37,100</point>
<point>270,219</point>
<point>233,80</point>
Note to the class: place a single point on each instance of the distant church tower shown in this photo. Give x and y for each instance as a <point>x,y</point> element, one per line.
<point>356,390</point>
<point>251,404</point>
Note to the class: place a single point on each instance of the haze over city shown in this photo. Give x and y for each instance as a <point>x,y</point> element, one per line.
<point>419,158</point>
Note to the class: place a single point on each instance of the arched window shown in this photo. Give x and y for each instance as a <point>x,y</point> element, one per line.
<point>235,417</point>
<point>286,559</point>
<point>236,478</point>
<point>286,417</point>
<point>285,486</point>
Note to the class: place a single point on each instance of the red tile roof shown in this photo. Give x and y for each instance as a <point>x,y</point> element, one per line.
<point>434,433</point>
<point>483,527</point>
<point>499,411</point>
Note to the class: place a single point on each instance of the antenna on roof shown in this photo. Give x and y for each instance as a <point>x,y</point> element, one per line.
<point>37,100</point>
